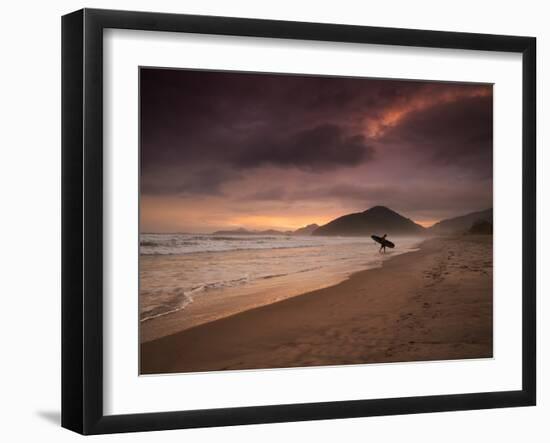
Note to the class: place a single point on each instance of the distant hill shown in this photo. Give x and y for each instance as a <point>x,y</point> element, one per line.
<point>379,220</point>
<point>306,230</point>
<point>481,227</point>
<point>242,231</point>
<point>462,223</point>
<point>376,220</point>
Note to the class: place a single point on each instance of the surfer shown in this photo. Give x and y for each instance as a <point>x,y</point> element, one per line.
<point>383,245</point>
<point>383,242</point>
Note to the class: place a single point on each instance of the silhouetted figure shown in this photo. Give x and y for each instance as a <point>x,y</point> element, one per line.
<point>383,242</point>
<point>383,245</point>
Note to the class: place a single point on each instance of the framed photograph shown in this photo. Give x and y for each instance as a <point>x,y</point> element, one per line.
<point>268,221</point>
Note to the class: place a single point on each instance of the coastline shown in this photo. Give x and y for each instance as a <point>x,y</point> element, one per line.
<point>250,276</point>
<point>439,308</point>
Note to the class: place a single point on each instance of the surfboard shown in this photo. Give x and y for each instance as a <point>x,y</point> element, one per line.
<point>383,241</point>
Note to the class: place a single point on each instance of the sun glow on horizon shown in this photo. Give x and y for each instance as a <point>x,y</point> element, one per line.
<point>210,215</point>
<point>264,222</point>
<point>426,223</point>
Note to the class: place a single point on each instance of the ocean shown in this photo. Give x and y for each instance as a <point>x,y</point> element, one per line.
<point>204,277</point>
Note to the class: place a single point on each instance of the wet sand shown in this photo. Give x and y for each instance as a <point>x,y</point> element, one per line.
<point>432,304</point>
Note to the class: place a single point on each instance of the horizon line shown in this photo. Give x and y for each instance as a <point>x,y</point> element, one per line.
<point>426,224</point>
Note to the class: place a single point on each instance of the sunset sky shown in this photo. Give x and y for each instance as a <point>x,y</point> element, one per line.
<point>223,150</point>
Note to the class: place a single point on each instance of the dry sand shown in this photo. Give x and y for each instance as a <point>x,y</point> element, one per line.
<point>432,304</point>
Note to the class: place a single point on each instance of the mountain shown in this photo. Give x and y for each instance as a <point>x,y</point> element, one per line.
<point>462,223</point>
<point>306,230</point>
<point>242,231</point>
<point>376,220</point>
<point>482,227</point>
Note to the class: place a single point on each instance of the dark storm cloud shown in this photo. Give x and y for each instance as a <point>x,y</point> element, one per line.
<point>217,120</point>
<point>323,147</point>
<point>459,133</point>
<point>415,146</point>
<point>193,115</point>
<point>207,181</point>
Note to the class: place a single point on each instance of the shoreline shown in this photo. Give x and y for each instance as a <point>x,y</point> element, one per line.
<point>439,308</point>
<point>262,291</point>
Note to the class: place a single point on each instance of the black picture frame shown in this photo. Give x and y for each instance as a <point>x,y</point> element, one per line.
<point>82,219</point>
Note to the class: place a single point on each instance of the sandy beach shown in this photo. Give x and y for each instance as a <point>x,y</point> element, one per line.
<point>431,304</point>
